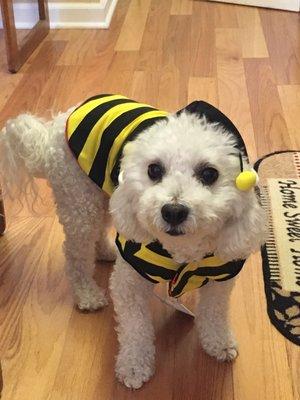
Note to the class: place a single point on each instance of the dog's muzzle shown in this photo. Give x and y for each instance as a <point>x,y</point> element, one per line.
<point>174,215</point>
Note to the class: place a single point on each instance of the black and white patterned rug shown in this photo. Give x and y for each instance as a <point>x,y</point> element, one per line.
<point>280,195</point>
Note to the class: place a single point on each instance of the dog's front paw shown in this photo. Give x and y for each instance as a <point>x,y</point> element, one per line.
<point>91,299</point>
<point>227,354</point>
<point>223,348</point>
<point>133,372</point>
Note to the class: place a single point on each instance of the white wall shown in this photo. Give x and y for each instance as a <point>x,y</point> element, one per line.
<point>292,5</point>
<point>67,14</point>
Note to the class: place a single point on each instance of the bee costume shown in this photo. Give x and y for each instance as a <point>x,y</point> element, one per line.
<point>97,132</point>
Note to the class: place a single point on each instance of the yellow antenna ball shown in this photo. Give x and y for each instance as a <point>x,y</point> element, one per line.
<point>246,180</point>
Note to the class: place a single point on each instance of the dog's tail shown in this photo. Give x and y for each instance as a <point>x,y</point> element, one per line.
<point>22,155</point>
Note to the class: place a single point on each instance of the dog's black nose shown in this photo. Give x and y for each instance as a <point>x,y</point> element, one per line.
<point>174,214</point>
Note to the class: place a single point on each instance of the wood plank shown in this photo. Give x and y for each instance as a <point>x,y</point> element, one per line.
<point>203,89</point>
<point>119,76</point>
<point>293,354</point>
<point>182,7</point>
<point>8,83</point>
<point>95,356</point>
<point>269,125</point>
<point>16,282</point>
<point>203,52</point>
<point>60,92</point>
<point>290,100</point>
<point>132,31</point>
<point>148,69</point>
<point>169,82</point>
<point>262,348</point>
<point>225,16</point>
<point>145,86</point>
<point>252,36</point>
<point>31,42</point>
<point>31,85</point>
<point>94,48</point>
<point>34,350</point>
<point>282,36</point>
<point>232,89</point>
<point>174,68</point>
<point>152,51</point>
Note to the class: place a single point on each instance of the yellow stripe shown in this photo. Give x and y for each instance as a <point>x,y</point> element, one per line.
<point>156,278</point>
<point>193,283</point>
<point>108,185</point>
<point>122,241</point>
<point>78,115</point>
<point>211,261</point>
<point>92,144</point>
<point>153,258</point>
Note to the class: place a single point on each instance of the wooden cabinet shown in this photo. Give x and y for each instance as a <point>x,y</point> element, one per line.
<point>17,54</point>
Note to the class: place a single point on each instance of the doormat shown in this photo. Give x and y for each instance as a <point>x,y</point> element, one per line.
<point>280,195</point>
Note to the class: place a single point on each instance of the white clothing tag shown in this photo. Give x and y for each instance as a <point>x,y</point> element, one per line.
<point>175,303</point>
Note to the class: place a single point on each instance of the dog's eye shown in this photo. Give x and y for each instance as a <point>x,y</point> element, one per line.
<point>156,172</point>
<point>208,175</point>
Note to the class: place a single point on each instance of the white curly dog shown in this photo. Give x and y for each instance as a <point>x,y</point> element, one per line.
<point>178,187</point>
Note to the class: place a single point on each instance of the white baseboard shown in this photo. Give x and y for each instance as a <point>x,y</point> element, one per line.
<point>290,5</point>
<point>67,15</point>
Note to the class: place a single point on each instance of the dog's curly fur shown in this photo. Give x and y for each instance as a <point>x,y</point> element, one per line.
<point>221,219</point>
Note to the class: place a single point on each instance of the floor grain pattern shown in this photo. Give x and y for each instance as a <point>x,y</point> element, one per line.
<point>245,60</point>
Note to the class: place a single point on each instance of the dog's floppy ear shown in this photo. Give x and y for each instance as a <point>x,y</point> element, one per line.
<point>215,116</point>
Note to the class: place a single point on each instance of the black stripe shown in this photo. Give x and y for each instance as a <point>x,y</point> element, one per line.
<point>97,173</point>
<point>141,127</point>
<point>180,285</point>
<point>81,133</point>
<point>157,248</point>
<point>98,96</point>
<point>238,268</point>
<point>142,266</point>
<point>177,290</point>
<point>232,268</point>
<point>127,258</point>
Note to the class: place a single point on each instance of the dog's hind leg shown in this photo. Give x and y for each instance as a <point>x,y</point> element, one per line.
<point>131,295</point>
<point>81,212</point>
<point>105,247</point>
<point>79,248</point>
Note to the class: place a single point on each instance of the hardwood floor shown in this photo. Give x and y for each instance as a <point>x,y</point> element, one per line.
<point>244,60</point>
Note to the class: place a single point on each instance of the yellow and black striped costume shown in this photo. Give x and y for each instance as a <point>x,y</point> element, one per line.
<point>154,263</point>
<point>98,130</point>
<point>96,133</point>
